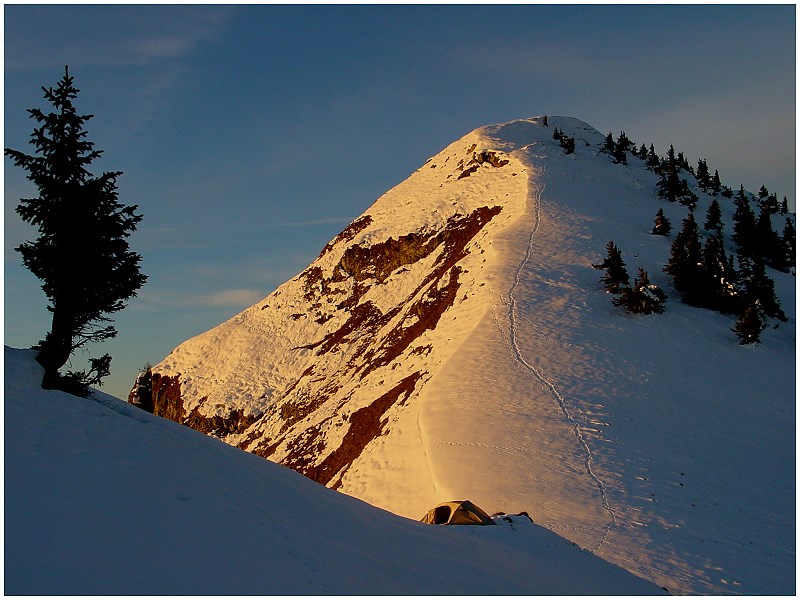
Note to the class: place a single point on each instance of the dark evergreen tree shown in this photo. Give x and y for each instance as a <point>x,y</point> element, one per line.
<point>703,176</point>
<point>672,162</point>
<point>717,290</point>
<point>683,163</point>
<point>609,147</point>
<point>652,161</point>
<point>642,152</point>
<point>685,196</point>
<point>686,261</point>
<point>763,192</point>
<point>731,274</point>
<point>755,284</point>
<point>744,227</point>
<point>568,144</point>
<point>620,149</point>
<point>750,324</point>
<point>556,133</point>
<point>714,218</point>
<point>669,186</point>
<point>662,225</point>
<point>82,254</point>
<point>784,207</point>
<point>643,297</point>
<point>625,143</point>
<point>716,184</point>
<point>615,275</point>
<point>772,204</point>
<point>769,245</point>
<point>741,194</point>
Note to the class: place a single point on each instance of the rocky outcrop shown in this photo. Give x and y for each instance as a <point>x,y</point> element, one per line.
<point>161,395</point>
<point>480,158</point>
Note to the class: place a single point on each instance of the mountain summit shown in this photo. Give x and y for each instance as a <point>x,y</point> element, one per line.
<point>455,341</point>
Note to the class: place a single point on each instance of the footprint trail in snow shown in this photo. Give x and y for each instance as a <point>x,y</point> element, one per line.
<point>563,405</point>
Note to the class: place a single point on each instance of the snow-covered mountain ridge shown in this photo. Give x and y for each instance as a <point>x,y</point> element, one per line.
<point>454,341</point>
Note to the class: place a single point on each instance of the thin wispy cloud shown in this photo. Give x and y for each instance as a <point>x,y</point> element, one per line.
<point>120,36</point>
<point>317,222</point>
<point>236,299</point>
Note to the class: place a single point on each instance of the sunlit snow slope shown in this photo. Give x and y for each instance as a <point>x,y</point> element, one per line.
<point>102,498</point>
<point>455,342</point>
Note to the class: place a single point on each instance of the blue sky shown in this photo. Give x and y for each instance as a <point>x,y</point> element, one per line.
<point>250,135</point>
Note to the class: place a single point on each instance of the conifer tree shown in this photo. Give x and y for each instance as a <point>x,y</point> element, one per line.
<point>750,324</point>
<point>672,162</point>
<point>768,244</point>
<point>568,144</point>
<point>609,146</point>
<point>621,148</point>
<point>731,274</point>
<point>673,189</point>
<point>744,227</point>
<point>615,275</point>
<point>624,142</point>
<point>652,161</point>
<point>686,262</point>
<point>669,186</point>
<point>784,207</point>
<point>714,218</point>
<point>755,284</point>
<point>718,289</point>
<point>716,184</point>
<point>702,175</point>
<point>685,196</point>
<point>82,254</point>
<point>683,163</point>
<point>643,298</point>
<point>662,225</point>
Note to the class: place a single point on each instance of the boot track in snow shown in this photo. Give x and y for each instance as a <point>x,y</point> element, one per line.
<point>563,405</point>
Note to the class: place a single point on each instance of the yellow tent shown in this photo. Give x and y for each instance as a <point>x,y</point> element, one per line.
<point>457,512</point>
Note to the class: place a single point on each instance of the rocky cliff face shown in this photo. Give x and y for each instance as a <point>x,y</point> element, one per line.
<point>328,363</point>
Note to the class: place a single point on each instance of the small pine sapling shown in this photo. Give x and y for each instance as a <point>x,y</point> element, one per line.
<point>615,275</point>
<point>662,225</point>
<point>750,324</point>
<point>643,297</point>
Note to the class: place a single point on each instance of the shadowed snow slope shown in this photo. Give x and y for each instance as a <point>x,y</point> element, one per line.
<point>103,498</point>
<point>454,342</point>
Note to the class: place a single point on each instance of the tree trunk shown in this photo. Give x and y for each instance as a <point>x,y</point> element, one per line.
<point>56,349</point>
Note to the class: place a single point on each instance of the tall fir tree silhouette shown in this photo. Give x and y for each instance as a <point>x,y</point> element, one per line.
<point>82,254</point>
<point>685,262</point>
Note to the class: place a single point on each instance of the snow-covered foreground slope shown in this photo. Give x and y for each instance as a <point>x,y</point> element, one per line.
<point>454,341</point>
<point>103,498</point>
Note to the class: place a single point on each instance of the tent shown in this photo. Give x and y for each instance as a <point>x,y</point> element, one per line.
<point>457,512</point>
